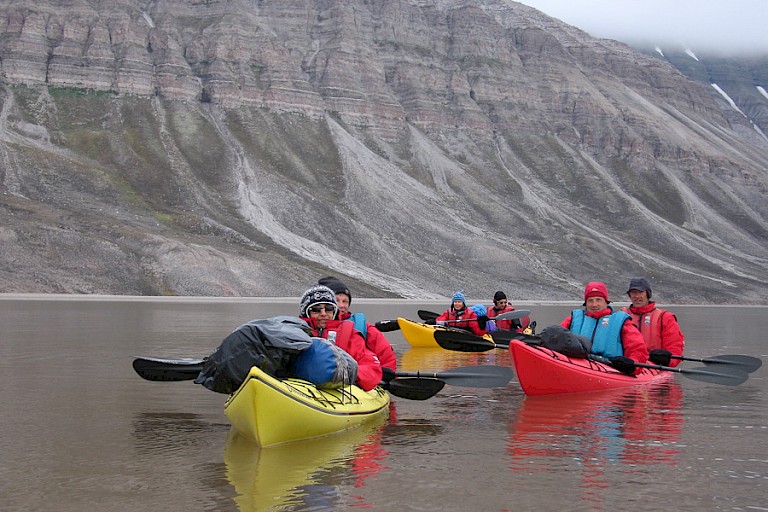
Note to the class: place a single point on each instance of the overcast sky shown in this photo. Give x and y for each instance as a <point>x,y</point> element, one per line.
<point>697,24</point>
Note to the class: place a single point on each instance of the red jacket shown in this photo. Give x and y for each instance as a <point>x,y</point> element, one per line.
<point>465,314</point>
<point>349,339</point>
<point>378,344</point>
<point>659,328</point>
<point>508,324</point>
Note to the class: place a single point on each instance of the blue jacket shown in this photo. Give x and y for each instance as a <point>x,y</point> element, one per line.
<point>604,332</point>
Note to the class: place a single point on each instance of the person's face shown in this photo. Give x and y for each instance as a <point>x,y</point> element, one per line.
<point>639,298</point>
<point>501,304</point>
<point>596,304</point>
<point>457,304</point>
<point>343,301</point>
<point>322,313</point>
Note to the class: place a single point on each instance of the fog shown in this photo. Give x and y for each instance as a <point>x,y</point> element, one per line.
<point>701,25</point>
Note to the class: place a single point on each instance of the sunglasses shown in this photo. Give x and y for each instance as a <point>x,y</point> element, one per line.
<point>502,302</point>
<point>323,307</point>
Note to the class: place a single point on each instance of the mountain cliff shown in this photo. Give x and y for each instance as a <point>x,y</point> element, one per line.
<point>213,147</point>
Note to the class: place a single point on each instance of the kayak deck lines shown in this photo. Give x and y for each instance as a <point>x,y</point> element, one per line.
<point>318,398</point>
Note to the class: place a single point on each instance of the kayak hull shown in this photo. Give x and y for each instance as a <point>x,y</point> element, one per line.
<point>421,335</point>
<point>541,371</point>
<point>271,411</point>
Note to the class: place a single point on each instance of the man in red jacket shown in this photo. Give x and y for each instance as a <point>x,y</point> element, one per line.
<point>374,338</point>
<point>659,327</point>
<point>500,306</point>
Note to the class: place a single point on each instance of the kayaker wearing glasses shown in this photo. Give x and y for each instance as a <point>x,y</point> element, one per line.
<point>318,308</point>
<point>501,305</point>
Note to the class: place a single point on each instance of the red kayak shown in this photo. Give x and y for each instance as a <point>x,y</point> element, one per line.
<point>545,372</point>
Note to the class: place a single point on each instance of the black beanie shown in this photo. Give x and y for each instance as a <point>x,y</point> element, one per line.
<point>499,296</point>
<point>641,284</point>
<point>335,284</point>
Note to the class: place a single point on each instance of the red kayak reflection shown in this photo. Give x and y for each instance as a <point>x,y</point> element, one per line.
<point>586,432</point>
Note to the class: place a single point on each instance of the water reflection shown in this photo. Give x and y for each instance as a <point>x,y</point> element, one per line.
<point>437,359</point>
<point>584,434</point>
<point>304,475</point>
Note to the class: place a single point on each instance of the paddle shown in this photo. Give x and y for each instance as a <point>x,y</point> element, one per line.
<point>467,342</point>
<point>509,315</point>
<point>427,315</point>
<point>167,370</point>
<point>747,363</point>
<point>464,342</point>
<point>726,376</point>
<point>387,325</point>
<point>485,376</point>
<point>164,369</point>
<point>414,388</point>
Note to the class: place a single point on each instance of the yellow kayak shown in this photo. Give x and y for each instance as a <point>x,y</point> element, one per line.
<point>272,411</point>
<point>421,335</point>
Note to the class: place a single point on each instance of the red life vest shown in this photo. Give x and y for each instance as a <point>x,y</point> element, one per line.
<point>649,324</point>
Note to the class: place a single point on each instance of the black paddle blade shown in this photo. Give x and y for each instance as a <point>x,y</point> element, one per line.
<point>387,325</point>
<point>503,337</point>
<point>168,370</point>
<point>747,363</point>
<point>484,376</point>
<point>729,377</point>
<point>462,342</point>
<point>427,315</point>
<point>414,388</point>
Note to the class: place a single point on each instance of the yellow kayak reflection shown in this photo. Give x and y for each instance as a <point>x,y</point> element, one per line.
<point>439,359</point>
<point>306,472</point>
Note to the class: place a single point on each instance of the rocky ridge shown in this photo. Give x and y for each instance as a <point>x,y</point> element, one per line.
<point>247,147</point>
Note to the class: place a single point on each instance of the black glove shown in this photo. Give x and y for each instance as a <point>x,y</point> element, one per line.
<point>660,356</point>
<point>387,325</point>
<point>482,321</point>
<point>623,364</point>
<point>387,374</point>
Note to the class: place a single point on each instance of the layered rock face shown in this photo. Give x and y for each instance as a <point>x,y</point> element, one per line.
<point>415,148</point>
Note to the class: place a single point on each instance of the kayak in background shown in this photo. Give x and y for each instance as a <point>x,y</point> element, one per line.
<point>421,335</point>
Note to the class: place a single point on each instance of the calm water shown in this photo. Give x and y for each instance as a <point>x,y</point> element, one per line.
<point>80,430</point>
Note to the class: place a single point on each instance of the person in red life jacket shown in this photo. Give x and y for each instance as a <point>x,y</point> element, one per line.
<point>468,319</point>
<point>659,327</point>
<point>319,310</point>
<point>374,338</point>
<point>612,333</point>
<point>501,305</point>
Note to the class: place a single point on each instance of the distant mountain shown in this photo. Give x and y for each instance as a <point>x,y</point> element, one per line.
<point>739,83</point>
<point>414,148</point>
